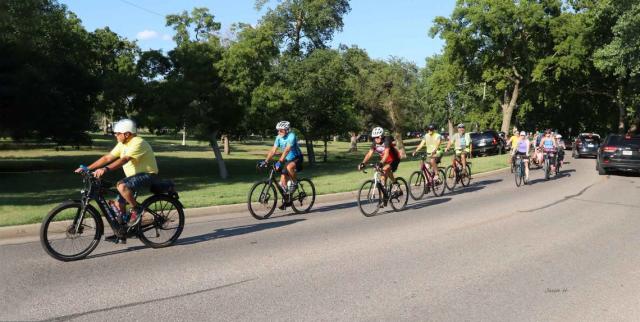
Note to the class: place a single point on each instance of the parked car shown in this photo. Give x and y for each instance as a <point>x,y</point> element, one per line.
<point>619,152</point>
<point>487,142</point>
<point>586,144</point>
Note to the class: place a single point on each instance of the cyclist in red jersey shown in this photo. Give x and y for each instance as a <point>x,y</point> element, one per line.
<point>386,149</point>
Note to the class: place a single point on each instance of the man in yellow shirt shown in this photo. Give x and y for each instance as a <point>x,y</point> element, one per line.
<point>431,141</point>
<point>135,156</point>
<point>513,143</point>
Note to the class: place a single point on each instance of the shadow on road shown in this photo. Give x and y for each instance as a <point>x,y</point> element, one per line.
<point>561,174</point>
<point>351,204</point>
<point>427,203</point>
<point>218,233</point>
<point>235,231</point>
<point>475,186</point>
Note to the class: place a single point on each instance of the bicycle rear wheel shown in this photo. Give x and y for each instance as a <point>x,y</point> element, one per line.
<point>547,169</point>
<point>162,221</point>
<point>58,234</point>
<point>305,196</point>
<point>369,198</point>
<point>518,175</point>
<point>399,194</point>
<point>417,185</point>
<point>465,177</point>
<point>262,200</point>
<point>439,186</point>
<point>450,178</point>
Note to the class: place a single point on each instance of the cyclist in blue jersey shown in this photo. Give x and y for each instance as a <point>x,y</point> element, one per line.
<point>290,160</point>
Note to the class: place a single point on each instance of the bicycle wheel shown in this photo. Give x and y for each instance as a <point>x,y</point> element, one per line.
<point>547,169</point>
<point>523,173</point>
<point>417,185</point>
<point>399,194</point>
<point>518,175</point>
<point>305,196</point>
<point>369,198</point>
<point>439,186</point>
<point>450,178</point>
<point>162,221</point>
<point>58,234</point>
<point>262,200</point>
<point>465,177</point>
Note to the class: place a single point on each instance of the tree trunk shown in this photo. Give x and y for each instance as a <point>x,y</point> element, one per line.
<point>105,124</point>
<point>184,135</point>
<point>218,155</point>
<point>508,105</point>
<point>225,144</point>
<point>395,120</point>
<point>311,155</point>
<point>450,123</point>
<point>326,154</point>
<point>354,142</point>
<point>397,135</point>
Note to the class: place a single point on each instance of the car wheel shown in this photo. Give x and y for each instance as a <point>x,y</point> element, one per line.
<point>601,171</point>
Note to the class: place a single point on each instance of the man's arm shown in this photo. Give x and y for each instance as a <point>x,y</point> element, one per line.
<point>104,160</point>
<point>367,156</point>
<point>285,153</point>
<point>418,147</point>
<point>270,154</point>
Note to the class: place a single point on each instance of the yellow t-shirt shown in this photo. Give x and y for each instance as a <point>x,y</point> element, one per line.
<point>514,141</point>
<point>142,158</point>
<point>431,141</point>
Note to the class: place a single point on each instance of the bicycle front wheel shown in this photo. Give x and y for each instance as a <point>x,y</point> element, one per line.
<point>399,194</point>
<point>369,198</point>
<point>518,175</point>
<point>450,178</point>
<point>67,235</point>
<point>162,221</point>
<point>465,176</point>
<point>417,185</point>
<point>304,197</point>
<point>439,186</point>
<point>262,200</point>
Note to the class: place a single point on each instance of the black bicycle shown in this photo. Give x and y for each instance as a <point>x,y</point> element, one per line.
<point>519,171</point>
<point>73,229</point>
<point>373,195</point>
<point>263,196</point>
<point>456,174</point>
<point>549,165</point>
<point>423,181</point>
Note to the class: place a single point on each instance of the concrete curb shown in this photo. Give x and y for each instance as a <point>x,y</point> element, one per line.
<point>33,230</point>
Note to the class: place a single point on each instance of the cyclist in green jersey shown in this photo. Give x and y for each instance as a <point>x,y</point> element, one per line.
<point>461,142</point>
<point>431,142</point>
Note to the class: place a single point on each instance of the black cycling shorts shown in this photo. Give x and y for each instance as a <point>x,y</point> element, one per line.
<point>297,160</point>
<point>394,165</point>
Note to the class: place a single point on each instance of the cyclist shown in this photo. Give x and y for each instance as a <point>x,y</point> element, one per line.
<point>386,149</point>
<point>431,142</point>
<point>461,142</point>
<point>521,148</point>
<point>290,161</point>
<point>561,147</point>
<point>513,140</point>
<point>548,144</point>
<point>135,156</point>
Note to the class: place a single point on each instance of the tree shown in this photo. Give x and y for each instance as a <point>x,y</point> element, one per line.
<point>499,42</point>
<point>47,88</point>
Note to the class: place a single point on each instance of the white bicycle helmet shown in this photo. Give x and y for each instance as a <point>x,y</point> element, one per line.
<point>461,126</point>
<point>558,136</point>
<point>283,125</point>
<point>124,126</point>
<point>523,133</point>
<point>377,132</point>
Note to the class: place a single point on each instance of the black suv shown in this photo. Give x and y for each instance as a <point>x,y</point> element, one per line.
<point>586,144</point>
<point>619,152</point>
<point>487,142</point>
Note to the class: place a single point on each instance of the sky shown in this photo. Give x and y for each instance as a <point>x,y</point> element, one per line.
<point>384,28</point>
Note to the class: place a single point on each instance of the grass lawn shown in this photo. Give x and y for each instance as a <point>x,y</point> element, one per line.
<point>34,179</point>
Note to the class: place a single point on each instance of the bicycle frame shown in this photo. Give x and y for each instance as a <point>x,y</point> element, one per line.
<point>94,191</point>
<point>378,182</point>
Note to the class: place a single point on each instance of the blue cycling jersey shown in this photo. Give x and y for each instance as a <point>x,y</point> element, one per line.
<point>288,139</point>
<point>548,144</point>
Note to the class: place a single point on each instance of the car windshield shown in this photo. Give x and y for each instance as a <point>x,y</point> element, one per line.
<point>488,135</point>
<point>619,140</point>
<point>592,139</point>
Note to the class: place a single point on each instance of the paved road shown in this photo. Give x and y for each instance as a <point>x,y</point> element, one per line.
<point>563,250</point>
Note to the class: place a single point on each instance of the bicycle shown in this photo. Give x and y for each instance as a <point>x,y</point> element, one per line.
<point>423,180</point>
<point>549,164</point>
<point>76,227</point>
<point>455,175</point>
<point>519,172</point>
<point>374,195</point>
<point>263,196</point>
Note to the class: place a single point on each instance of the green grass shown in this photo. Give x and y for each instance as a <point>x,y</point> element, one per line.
<point>34,180</point>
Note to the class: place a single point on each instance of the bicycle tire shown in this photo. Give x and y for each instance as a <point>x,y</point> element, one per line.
<point>400,188</point>
<point>518,175</point>
<point>301,195</point>
<point>547,169</point>
<point>439,187</point>
<point>49,221</point>
<point>450,178</point>
<point>466,177</point>
<point>372,197</point>
<point>417,185</point>
<point>267,196</point>
<point>160,218</point>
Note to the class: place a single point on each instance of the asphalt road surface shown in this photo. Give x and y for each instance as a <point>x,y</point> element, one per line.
<point>567,249</point>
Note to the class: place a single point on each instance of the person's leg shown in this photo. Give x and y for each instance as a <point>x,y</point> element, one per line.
<point>526,168</point>
<point>291,170</point>
<point>463,157</point>
<point>127,194</point>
